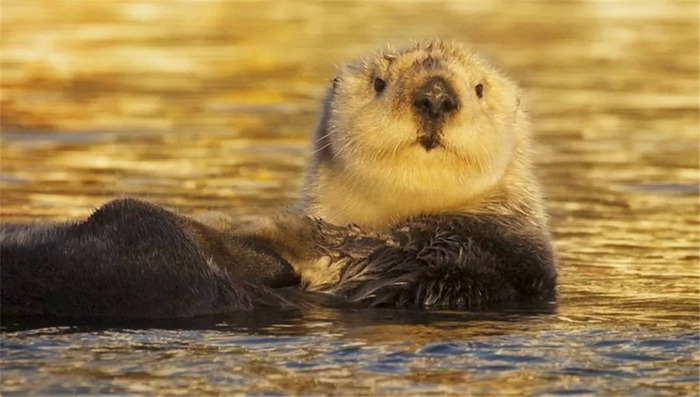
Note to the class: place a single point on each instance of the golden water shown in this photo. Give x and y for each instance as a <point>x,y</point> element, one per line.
<point>208,105</point>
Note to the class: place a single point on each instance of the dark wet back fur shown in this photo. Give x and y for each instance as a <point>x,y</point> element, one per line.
<point>448,262</point>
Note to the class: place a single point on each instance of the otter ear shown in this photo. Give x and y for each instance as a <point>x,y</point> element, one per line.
<point>519,105</point>
<point>334,83</point>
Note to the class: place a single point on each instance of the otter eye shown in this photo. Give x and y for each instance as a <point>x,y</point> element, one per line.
<point>379,85</point>
<point>479,90</point>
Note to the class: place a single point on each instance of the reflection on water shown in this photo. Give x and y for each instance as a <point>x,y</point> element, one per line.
<point>359,352</point>
<point>208,105</point>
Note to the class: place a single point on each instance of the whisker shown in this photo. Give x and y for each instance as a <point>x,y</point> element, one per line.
<point>326,135</point>
<point>321,148</point>
<point>342,149</point>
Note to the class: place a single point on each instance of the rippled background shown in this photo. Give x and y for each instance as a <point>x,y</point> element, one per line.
<point>208,105</point>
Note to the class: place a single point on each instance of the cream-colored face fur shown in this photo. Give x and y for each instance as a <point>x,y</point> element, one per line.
<point>379,172</point>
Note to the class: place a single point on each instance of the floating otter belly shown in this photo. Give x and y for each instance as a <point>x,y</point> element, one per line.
<point>419,194</point>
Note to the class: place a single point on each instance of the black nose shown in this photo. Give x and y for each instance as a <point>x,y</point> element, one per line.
<point>435,99</point>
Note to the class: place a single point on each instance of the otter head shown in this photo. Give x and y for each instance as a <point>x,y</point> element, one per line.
<point>425,129</point>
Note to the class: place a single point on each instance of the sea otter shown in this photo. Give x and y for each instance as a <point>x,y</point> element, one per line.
<point>419,194</point>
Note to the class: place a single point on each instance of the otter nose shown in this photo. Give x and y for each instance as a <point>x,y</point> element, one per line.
<point>435,99</point>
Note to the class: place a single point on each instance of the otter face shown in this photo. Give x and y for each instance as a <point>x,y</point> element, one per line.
<point>430,124</point>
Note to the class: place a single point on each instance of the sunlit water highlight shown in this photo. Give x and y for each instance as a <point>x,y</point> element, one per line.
<point>201,106</point>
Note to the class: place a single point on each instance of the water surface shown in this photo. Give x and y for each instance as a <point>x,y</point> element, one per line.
<point>208,106</point>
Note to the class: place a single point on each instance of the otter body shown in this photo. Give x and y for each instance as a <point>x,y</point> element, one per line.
<point>419,194</point>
